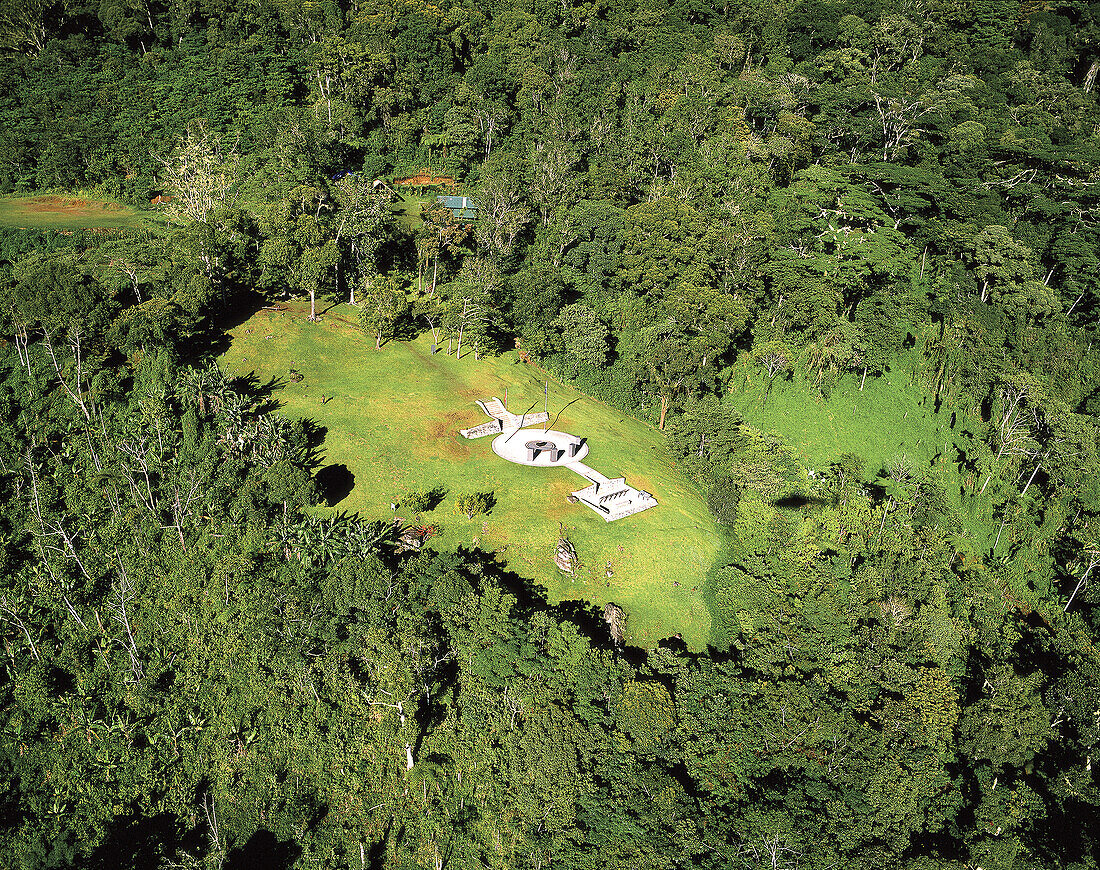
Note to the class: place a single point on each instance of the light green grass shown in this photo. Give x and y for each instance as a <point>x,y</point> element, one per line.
<point>393,420</point>
<point>70,213</point>
<point>408,208</point>
<point>892,416</point>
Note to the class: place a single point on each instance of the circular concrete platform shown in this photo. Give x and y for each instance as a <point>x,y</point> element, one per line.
<point>538,447</point>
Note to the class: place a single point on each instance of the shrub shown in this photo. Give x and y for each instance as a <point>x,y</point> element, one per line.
<point>475,503</point>
<point>418,502</point>
<point>723,496</point>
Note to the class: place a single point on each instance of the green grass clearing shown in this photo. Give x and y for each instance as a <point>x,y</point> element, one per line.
<point>71,213</point>
<point>393,418</point>
<point>892,416</point>
<point>407,209</point>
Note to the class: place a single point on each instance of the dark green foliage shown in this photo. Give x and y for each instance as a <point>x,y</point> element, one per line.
<point>723,494</point>
<point>419,502</point>
<point>202,668</point>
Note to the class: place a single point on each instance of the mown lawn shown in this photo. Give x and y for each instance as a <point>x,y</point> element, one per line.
<point>392,418</point>
<point>70,213</point>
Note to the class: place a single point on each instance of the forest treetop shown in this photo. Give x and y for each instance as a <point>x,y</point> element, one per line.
<point>678,203</point>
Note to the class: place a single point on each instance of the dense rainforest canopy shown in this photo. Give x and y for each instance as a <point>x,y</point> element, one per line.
<point>200,669</point>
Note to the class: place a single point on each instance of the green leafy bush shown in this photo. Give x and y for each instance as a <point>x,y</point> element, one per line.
<point>474,503</point>
<point>723,496</point>
<point>417,502</point>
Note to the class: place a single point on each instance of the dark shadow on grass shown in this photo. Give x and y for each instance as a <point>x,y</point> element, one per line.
<point>212,339</point>
<point>332,304</point>
<point>589,621</point>
<point>532,598</point>
<point>433,498</point>
<point>262,395</point>
<point>335,483</point>
<point>249,385</point>
<point>315,437</point>
<point>407,329</point>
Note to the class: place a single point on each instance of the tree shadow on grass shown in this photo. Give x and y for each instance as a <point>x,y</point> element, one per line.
<point>315,435</point>
<point>588,618</point>
<point>532,598</point>
<point>433,498</point>
<point>240,307</point>
<point>407,329</point>
<point>335,483</point>
<point>261,394</point>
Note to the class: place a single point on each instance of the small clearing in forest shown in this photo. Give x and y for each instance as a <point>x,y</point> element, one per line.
<point>393,418</point>
<point>71,213</point>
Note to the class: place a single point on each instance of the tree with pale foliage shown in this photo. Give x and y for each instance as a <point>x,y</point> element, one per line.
<point>22,26</point>
<point>775,358</point>
<point>360,219</point>
<point>1088,558</point>
<point>201,174</point>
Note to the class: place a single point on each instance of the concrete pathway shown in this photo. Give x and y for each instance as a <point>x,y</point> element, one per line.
<point>501,419</point>
<point>550,449</point>
<point>588,472</point>
<point>494,407</point>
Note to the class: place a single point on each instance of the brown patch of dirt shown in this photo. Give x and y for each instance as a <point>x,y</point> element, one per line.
<point>449,376</point>
<point>425,179</point>
<point>418,353</point>
<point>449,425</point>
<point>454,447</point>
<point>56,203</point>
<point>442,435</point>
<point>64,205</point>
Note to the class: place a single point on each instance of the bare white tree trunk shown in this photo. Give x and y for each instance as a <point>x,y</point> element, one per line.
<point>75,391</point>
<point>1094,560</point>
<point>1090,77</point>
<point>120,613</point>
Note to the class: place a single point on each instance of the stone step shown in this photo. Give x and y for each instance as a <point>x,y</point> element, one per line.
<point>494,407</point>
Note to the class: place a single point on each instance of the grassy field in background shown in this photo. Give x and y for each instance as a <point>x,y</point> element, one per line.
<point>70,213</point>
<point>407,208</point>
<point>392,418</point>
<point>891,417</point>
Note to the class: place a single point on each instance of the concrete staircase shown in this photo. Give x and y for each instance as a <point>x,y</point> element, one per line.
<point>494,407</point>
